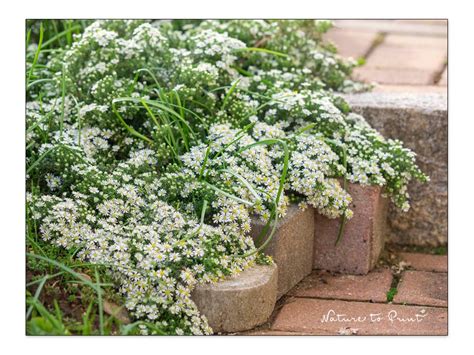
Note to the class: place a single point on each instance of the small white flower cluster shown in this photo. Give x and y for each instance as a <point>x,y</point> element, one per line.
<point>156,254</point>
<point>311,165</point>
<point>242,176</point>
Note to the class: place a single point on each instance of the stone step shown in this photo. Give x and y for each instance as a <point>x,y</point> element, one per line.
<point>241,302</point>
<point>421,122</point>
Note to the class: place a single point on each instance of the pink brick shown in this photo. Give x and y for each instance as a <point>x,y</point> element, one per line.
<point>351,43</point>
<point>406,27</point>
<point>416,42</point>
<point>393,57</point>
<point>426,262</point>
<point>371,287</point>
<point>363,237</point>
<point>319,317</point>
<point>395,76</point>
<point>444,78</point>
<point>423,288</point>
<point>402,59</point>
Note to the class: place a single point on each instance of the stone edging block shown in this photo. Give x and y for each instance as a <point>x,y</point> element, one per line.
<point>291,247</point>
<point>241,302</point>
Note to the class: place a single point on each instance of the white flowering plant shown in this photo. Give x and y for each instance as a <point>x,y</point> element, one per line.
<point>151,145</point>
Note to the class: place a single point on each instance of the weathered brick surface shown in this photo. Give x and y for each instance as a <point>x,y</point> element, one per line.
<point>423,288</point>
<point>419,28</point>
<point>291,247</point>
<point>320,317</point>
<point>394,76</point>
<point>393,57</point>
<point>426,262</point>
<point>363,237</point>
<point>372,287</point>
<point>352,43</point>
<point>416,42</point>
<point>421,122</point>
<point>403,59</point>
<point>443,81</point>
<point>241,302</point>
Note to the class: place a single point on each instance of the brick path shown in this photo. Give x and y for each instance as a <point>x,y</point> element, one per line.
<point>333,304</point>
<point>400,55</point>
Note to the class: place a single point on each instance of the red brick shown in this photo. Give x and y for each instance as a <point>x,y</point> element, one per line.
<point>443,81</point>
<point>413,60</point>
<point>416,42</point>
<point>372,287</point>
<point>363,238</point>
<point>423,288</point>
<point>408,27</point>
<point>395,76</point>
<point>307,315</point>
<point>351,43</point>
<point>393,57</point>
<point>426,262</point>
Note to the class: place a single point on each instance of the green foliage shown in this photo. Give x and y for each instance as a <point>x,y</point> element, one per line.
<point>150,144</point>
<point>391,294</point>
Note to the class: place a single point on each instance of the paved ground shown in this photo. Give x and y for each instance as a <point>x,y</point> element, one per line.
<point>401,55</point>
<point>406,295</point>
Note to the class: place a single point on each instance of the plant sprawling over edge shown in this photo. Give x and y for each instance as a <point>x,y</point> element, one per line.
<point>151,144</point>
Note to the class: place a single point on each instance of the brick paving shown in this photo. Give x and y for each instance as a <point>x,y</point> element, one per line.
<point>423,288</point>
<point>337,317</point>
<point>372,287</point>
<point>424,262</point>
<point>334,304</point>
<point>397,52</point>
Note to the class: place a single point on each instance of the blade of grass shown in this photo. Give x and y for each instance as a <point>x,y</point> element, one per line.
<point>100,303</point>
<point>37,294</point>
<point>130,129</point>
<point>37,53</point>
<point>262,50</point>
<point>229,93</point>
<point>66,32</point>
<point>222,192</point>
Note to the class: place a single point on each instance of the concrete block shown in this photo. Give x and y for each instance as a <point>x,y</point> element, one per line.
<point>241,302</point>
<point>291,247</point>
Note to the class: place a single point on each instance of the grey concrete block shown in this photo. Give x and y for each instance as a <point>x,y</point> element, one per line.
<point>241,302</point>
<point>291,247</point>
